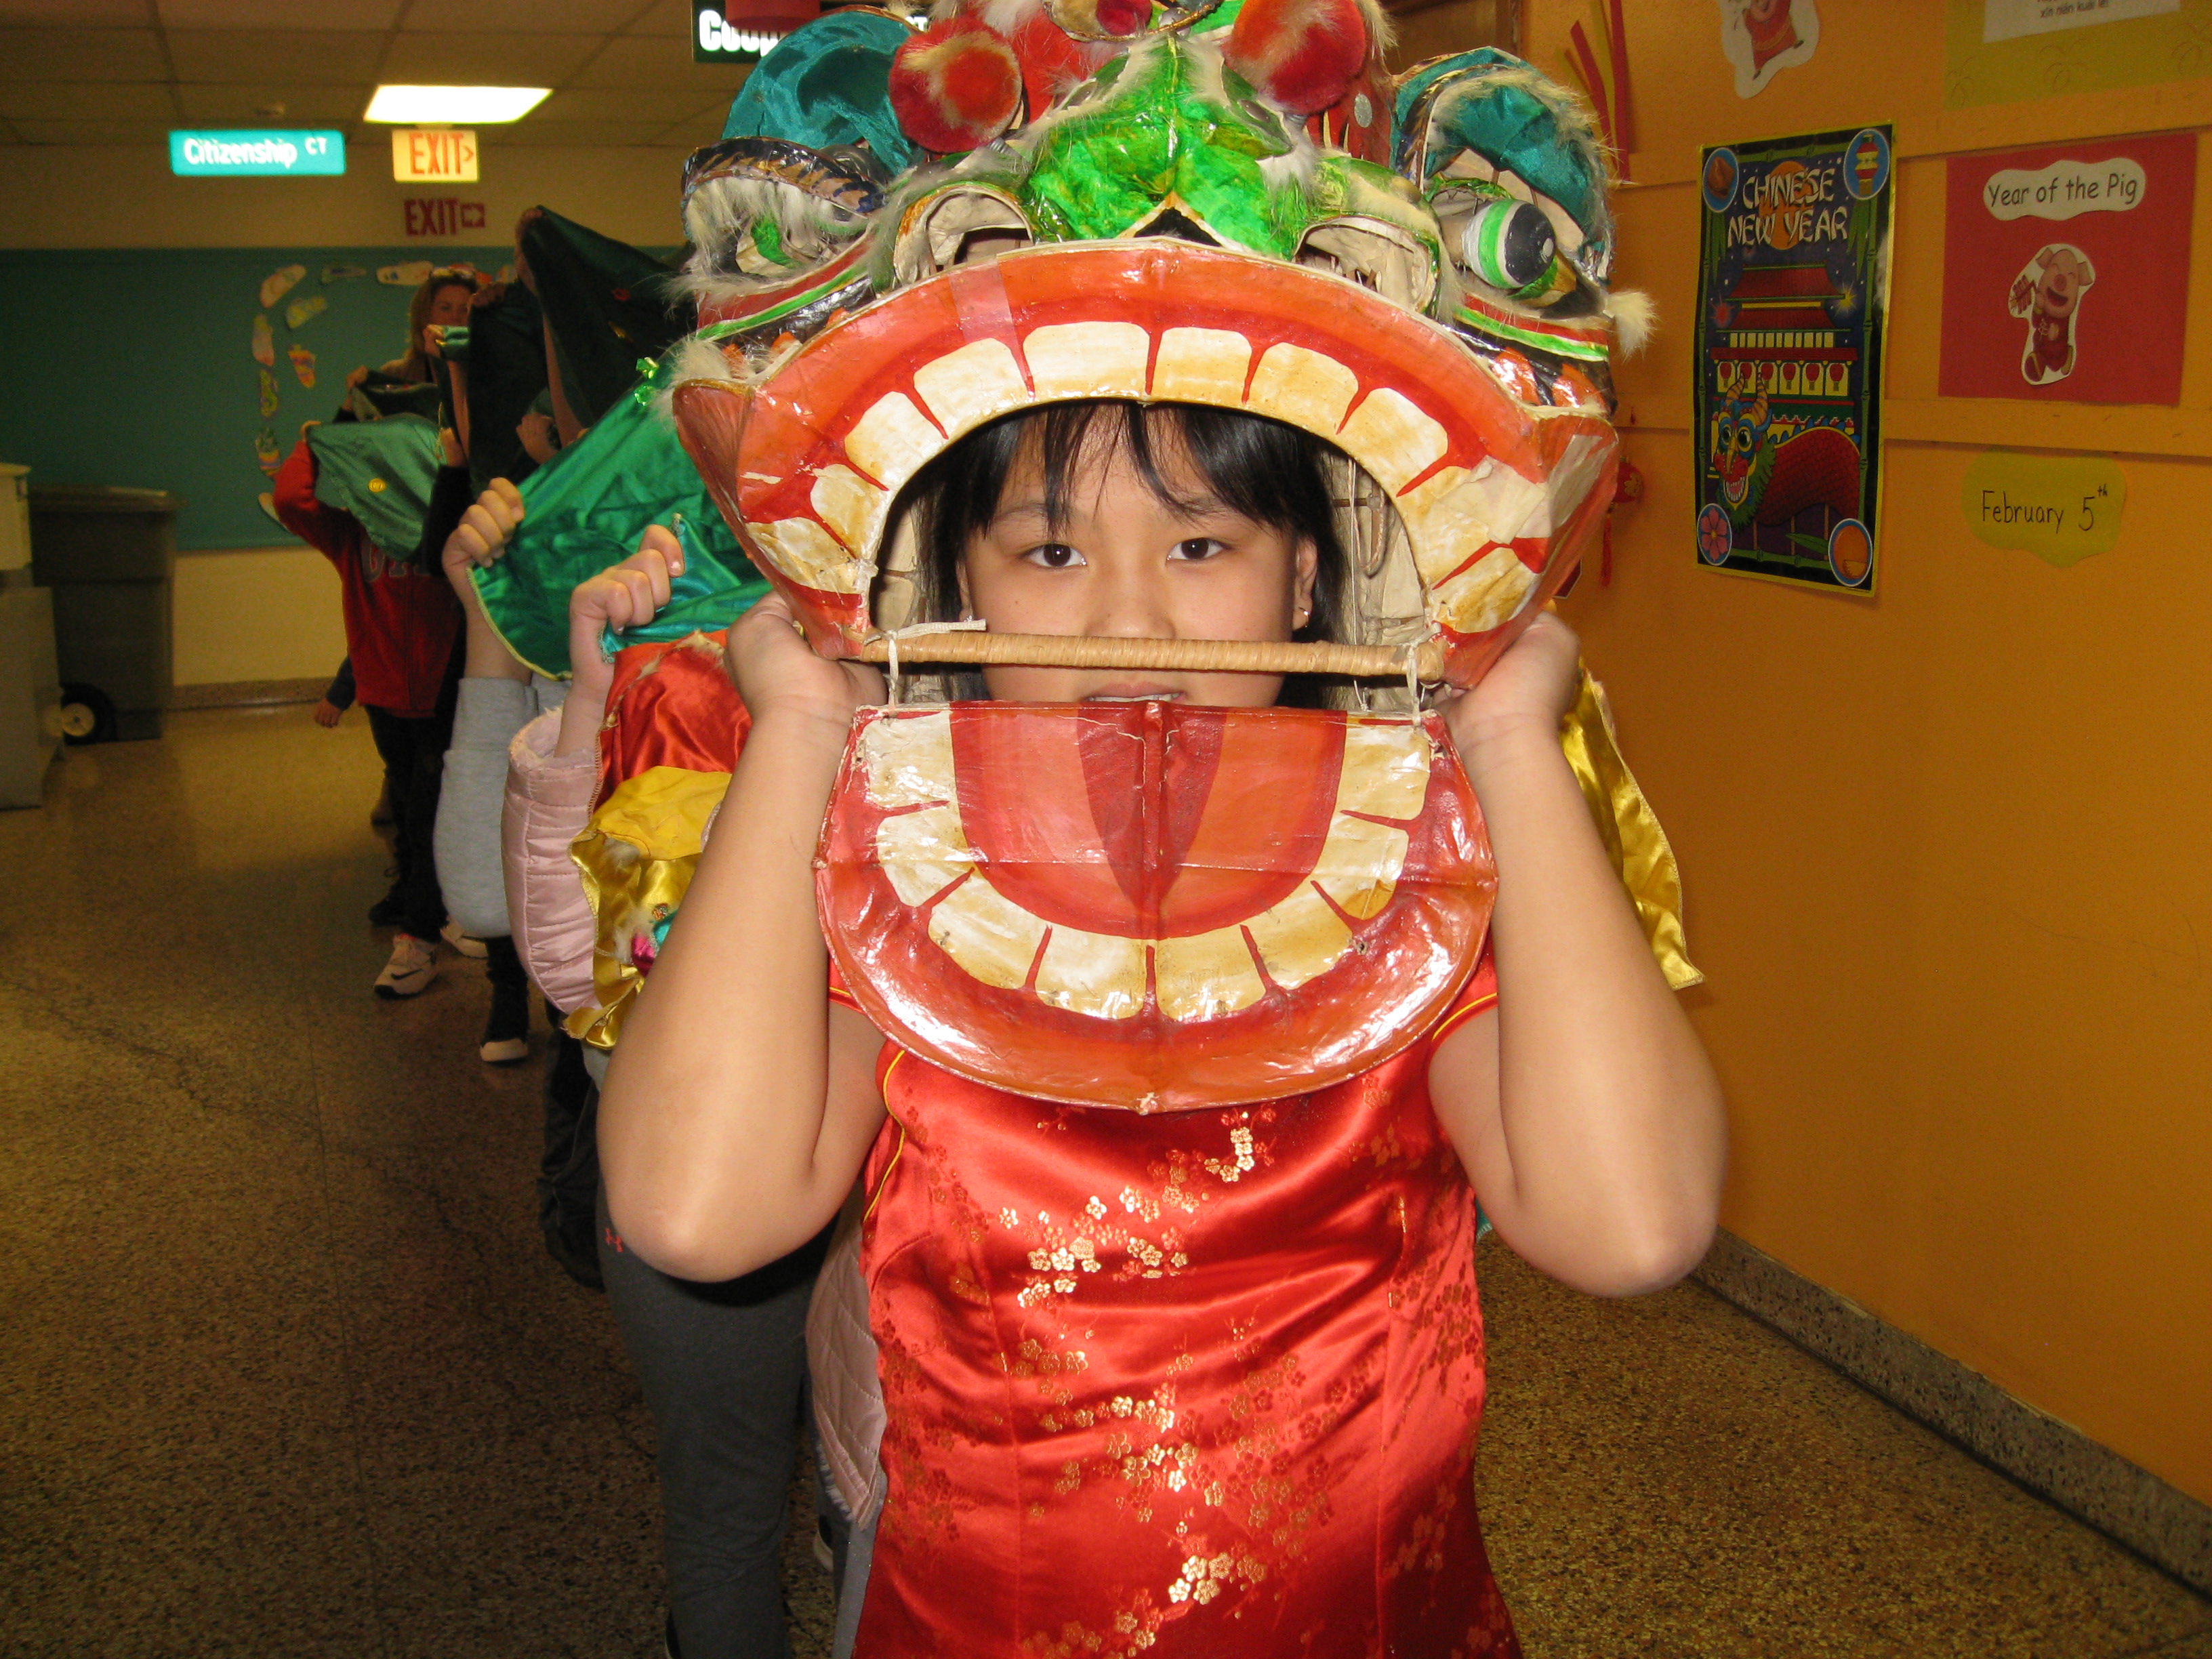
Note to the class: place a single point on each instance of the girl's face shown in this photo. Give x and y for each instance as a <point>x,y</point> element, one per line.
<point>1123,563</point>
<point>449,307</point>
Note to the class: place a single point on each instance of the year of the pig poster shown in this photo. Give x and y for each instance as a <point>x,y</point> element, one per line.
<point>2066,271</point>
<point>1793,291</point>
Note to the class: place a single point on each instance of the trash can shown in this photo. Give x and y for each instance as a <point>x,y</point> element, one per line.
<point>30,688</point>
<point>109,555</point>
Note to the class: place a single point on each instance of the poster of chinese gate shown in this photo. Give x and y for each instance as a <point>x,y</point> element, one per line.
<point>1793,291</point>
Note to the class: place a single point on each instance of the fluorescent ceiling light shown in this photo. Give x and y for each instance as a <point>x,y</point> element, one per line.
<point>453,105</point>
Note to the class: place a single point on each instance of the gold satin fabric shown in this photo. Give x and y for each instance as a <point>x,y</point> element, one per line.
<point>637,855</point>
<point>1629,830</point>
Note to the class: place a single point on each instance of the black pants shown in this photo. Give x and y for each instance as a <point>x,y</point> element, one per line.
<point>414,754</point>
<point>724,1369</point>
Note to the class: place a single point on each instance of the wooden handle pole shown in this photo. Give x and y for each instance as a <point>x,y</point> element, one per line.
<point>969,646</point>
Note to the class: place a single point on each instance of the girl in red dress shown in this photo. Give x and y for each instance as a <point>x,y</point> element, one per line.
<point>1201,1381</point>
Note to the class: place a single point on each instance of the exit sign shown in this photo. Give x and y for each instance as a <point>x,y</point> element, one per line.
<point>260,153</point>
<point>433,155</point>
<point>443,217</point>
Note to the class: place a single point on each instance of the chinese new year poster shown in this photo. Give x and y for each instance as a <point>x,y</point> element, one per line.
<point>1793,289</point>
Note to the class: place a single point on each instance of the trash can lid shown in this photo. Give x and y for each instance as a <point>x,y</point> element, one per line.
<point>102,498</point>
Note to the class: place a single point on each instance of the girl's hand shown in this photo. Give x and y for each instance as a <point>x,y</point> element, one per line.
<point>482,537</point>
<point>327,714</point>
<point>1529,688</point>
<point>626,595</point>
<point>780,677</point>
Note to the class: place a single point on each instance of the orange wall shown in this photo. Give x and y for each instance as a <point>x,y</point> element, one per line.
<point>1948,850</point>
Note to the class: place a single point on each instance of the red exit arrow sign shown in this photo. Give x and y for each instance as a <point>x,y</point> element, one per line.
<point>433,155</point>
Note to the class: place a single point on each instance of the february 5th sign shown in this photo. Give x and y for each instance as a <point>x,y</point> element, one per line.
<point>2066,272</point>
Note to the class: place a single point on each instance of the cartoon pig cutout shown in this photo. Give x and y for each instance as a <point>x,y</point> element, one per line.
<point>2048,294</point>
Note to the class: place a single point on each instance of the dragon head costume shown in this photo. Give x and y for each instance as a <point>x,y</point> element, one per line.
<point>909,233</point>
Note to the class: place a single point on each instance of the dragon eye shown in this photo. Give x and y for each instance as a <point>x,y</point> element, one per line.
<point>1510,244</point>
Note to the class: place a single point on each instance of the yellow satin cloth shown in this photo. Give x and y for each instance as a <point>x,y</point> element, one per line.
<point>637,854</point>
<point>1629,830</point>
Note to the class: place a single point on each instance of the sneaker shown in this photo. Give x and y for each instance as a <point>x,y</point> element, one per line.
<point>414,964</point>
<point>507,1032</point>
<point>471,948</point>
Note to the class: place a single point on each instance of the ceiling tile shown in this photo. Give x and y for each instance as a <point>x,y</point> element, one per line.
<point>583,135</point>
<point>703,128</point>
<point>244,56</point>
<point>604,104</point>
<point>303,106</point>
<point>648,61</point>
<point>486,60</point>
<point>664,17</point>
<point>81,55</point>
<point>134,133</point>
<point>523,17</point>
<point>277,14</point>
<point>77,13</point>
<point>61,100</point>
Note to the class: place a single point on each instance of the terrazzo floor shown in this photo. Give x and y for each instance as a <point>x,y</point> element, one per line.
<point>285,1370</point>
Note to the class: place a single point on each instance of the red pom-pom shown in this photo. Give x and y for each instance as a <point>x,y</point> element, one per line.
<point>1123,18</point>
<point>1300,55</point>
<point>956,85</point>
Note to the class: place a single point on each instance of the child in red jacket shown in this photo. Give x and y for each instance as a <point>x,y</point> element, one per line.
<point>401,624</point>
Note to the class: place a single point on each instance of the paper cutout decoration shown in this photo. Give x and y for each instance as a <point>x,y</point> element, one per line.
<point>413,274</point>
<point>265,452</point>
<point>303,365</point>
<point>302,312</point>
<point>1601,74</point>
<point>2029,234</point>
<point>265,343</point>
<point>1763,37</point>
<point>343,273</point>
<point>2048,294</point>
<point>2063,508</point>
<point>1792,303</point>
<point>278,283</point>
<point>267,393</point>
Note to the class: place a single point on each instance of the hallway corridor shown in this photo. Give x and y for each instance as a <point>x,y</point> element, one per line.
<point>285,1370</point>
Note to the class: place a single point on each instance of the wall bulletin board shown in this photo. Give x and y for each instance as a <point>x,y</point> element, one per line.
<point>137,367</point>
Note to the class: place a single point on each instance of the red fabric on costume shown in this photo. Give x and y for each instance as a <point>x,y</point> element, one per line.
<point>1202,1383</point>
<point>401,623</point>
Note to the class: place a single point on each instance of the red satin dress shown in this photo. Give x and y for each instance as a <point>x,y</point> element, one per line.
<point>1201,1382</point>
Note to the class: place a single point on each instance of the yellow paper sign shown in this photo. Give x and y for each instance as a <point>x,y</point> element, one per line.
<point>2060,507</point>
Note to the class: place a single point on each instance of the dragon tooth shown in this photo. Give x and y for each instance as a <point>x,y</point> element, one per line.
<point>810,555</point>
<point>1385,771</point>
<point>1488,592</point>
<point>967,387</point>
<point>1087,360</point>
<point>1299,939</point>
<point>1391,437</point>
<point>890,441</point>
<point>1360,865</point>
<point>923,853</point>
<point>909,759</point>
<point>848,504</point>
<point>1206,975</point>
<point>992,938</point>
<point>1101,975</point>
<point>1308,389</point>
<point>1202,366</point>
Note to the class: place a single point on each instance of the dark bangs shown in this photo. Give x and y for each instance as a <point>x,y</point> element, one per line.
<point>1274,474</point>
